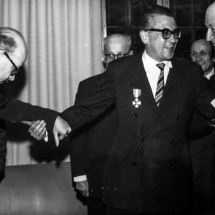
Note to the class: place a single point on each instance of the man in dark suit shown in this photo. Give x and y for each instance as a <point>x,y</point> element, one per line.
<point>148,168</point>
<point>202,143</point>
<point>13,53</point>
<point>91,143</point>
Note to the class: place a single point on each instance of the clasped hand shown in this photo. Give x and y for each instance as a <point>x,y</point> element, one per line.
<point>38,129</point>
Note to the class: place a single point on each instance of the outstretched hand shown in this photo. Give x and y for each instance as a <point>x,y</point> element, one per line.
<point>61,129</point>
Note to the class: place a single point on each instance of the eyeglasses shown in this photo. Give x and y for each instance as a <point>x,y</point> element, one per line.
<point>113,56</point>
<point>201,54</point>
<point>166,33</point>
<point>16,68</point>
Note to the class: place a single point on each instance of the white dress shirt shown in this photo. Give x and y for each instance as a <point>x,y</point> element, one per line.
<point>208,76</point>
<point>153,72</point>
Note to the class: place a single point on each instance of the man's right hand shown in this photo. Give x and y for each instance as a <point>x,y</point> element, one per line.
<point>61,129</point>
<point>83,187</point>
<point>37,129</point>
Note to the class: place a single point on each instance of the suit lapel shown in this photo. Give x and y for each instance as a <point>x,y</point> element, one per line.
<point>135,78</point>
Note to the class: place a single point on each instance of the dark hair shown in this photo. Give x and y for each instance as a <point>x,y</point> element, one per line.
<point>7,43</point>
<point>151,12</point>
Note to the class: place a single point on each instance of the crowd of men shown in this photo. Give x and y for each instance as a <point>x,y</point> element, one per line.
<point>132,124</point>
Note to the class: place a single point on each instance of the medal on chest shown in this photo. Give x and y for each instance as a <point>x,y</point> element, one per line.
<point>136,102</point>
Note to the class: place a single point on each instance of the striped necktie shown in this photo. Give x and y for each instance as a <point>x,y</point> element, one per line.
<point>160,84</point>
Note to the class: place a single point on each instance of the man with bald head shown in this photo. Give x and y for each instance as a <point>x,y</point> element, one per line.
<point>116,46</point>
<point>13,53</point>
<point>91,143</point>
<point>202,53</point>
<point>210,23</point>
<point>202,144</point>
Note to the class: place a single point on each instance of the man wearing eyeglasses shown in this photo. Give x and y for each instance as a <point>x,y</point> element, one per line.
<point>202,142</point>
<point>13,53</point>
<point>148,169</point>
<point>116,46</point>
<point>91,143</point>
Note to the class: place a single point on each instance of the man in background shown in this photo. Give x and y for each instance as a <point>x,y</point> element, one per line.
<point>202,143</point>
<point>91,143</point>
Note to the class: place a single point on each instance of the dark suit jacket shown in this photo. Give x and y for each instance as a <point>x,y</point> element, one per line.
<point>148,168</point>
<point>202,143</point>
<point>3,143</point>
<point>15,110</point>
<point>91,143</point>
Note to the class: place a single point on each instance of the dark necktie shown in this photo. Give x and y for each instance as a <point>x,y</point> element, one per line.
<point>160,84</point>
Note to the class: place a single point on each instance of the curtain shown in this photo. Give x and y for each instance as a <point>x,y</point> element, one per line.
<point>64,40</point>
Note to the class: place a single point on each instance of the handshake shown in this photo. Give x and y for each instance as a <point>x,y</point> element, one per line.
<point>38,129</point>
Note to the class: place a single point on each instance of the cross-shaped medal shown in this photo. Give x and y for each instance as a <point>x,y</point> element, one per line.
<point>136,103</point>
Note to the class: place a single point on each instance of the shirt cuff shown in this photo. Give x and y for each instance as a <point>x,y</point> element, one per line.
<point>80,178</point>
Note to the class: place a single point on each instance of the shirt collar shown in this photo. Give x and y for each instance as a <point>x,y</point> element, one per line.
<point>208,76</point>
<point>149,62</point>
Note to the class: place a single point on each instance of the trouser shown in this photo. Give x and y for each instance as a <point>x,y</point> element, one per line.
<point>95,206</point>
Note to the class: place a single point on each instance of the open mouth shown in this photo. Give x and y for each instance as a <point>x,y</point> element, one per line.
<point>170,49</point>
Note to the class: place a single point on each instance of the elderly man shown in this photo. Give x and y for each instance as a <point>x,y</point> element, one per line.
<point>210,23</point>
<point>202,143</point>
<point>13,53</point>
<point>90,149</point>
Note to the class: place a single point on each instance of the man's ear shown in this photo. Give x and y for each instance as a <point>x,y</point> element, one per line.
<point>144,36</point>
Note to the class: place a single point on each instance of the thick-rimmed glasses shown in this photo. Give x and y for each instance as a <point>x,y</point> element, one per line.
<point>166,33</point>
<point>116,56</point>
<point>16,68</point>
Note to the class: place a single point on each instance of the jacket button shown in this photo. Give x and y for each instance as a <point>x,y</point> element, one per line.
<point>172,141</point>
<point>142,139</point>
<point>177,116</point>
<point>169,166</point>
<point>135,115</point>
<point>134,163</point>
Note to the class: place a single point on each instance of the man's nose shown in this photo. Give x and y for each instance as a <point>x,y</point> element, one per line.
<point>198,56</point>
<point>172,39</point>
<point>209,35</point>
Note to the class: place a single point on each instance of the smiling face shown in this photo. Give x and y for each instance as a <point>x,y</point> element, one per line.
<point>202,53</point>
<point>156,47</point>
